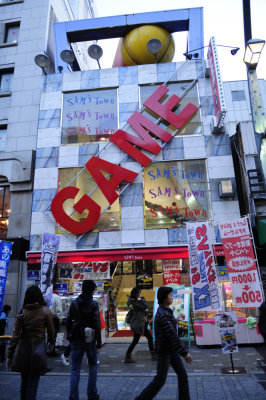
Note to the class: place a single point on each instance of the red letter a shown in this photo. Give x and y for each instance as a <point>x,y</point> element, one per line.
<point>165,110</point>
<point>119,174</point>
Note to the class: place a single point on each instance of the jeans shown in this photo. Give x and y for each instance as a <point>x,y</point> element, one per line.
<point>78,348</point>
<point>155,386</point>
<point>136,338</point>
<point>29,385</point>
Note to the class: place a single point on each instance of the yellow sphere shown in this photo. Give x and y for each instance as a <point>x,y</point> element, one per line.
<point>134,46</point>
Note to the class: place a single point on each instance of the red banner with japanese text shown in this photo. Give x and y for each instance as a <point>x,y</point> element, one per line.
<point>171,272</point>
<point>241,263</point>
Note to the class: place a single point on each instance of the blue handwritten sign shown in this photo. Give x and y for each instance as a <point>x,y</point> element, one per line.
<point>5,252</point>
<point>89,116</point>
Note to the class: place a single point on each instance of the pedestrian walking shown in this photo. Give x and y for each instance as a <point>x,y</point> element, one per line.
<point>169,348</point>
<point>3,325</point>
<point>36,318</point>
<point>138,323</point>
<point>84,333</point>
<point>57,313</point>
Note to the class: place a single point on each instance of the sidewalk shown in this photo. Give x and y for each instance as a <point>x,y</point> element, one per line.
<point>117,380</point>
<point>126,387</point>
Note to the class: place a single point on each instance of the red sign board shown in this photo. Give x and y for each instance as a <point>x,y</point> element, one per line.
<point>241,263</point>
<point>144,128</point>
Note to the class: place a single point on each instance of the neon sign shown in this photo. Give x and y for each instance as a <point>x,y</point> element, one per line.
<point>144,127</point>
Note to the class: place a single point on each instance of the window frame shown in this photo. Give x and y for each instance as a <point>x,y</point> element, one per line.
<point>4,71</point>
<point>10,25</point>
<point>87,92</point>
<point>236,93</point>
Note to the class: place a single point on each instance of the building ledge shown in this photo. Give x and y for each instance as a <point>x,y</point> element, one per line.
<point>8,44</point>
<point>5,94</point>
<point>7,3</point>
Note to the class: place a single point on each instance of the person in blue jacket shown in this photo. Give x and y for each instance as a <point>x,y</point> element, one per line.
<point>169,349</point>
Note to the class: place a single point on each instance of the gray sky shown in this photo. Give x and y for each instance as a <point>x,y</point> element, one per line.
<point>222,19</point>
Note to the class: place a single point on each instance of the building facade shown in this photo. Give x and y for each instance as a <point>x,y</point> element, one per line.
<point>25,31</point>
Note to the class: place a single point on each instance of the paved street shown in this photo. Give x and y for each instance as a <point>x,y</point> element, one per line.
<point>117,380</point>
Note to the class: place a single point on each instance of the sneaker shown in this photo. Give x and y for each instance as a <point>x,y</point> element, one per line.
<point>65,360</point>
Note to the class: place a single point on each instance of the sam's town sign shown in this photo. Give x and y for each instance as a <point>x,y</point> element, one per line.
<point>127,142</point>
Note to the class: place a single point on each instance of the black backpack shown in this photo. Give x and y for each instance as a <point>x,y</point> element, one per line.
<point>77,329</point>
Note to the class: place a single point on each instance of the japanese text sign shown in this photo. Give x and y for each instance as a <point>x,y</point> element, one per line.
<point>96,270</point>
<point>171,272</point>
<point>204,281</point>
<point>241,263</point>
<point>5,251</point>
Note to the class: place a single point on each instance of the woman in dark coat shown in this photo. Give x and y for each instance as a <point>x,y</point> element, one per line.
<point>36,319</point>
<point>138,323</point>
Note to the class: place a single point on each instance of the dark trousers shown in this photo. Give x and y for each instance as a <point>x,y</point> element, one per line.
<point>67,351</point>
<point>56,328</point>
<point>29,385</point>
<point>136,338</point>
<point>157,383</point>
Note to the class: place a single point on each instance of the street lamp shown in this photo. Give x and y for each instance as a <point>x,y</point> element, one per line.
<point>252,53</point>
<point>43,61</point>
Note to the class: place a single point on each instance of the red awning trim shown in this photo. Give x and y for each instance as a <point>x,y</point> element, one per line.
<point>119,254</point>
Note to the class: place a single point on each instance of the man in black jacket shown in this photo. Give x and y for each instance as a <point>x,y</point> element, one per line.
<point>83,313</point>
<point>168,347</point>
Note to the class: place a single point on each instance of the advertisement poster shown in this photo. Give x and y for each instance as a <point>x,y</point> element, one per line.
<point>127,267</point>
<point>203,276</point>
<point>5,252</point>
<point>241,263</point>
<point>144,281</point>
<point>171,272</point>
<point>50,245</point>
<point>180,307</point>
<point>95,270</point>
<point>225,322</point>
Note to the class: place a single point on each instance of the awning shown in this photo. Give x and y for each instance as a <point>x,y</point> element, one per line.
<point>161,253</point>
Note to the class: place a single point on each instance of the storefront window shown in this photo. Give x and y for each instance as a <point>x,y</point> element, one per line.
<point>194,126</point>
<point>110,220</point>
<point>89,116</point>
<point>175,192</point>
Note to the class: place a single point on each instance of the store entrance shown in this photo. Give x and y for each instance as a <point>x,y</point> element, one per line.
<point>144,274</point>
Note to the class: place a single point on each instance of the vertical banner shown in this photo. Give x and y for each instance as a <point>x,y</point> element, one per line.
<point>225,322</point>
<point>50,245</point>
<point>241,263</point>
<point>171,272</point>
<point>204,281</point>
<point>216,83</point>
<point>5,252</point>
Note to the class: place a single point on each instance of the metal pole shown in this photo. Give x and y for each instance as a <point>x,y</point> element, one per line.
<point>247,20</point>
<point>233,369</point>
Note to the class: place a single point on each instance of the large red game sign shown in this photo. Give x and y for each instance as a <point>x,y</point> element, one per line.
<point>241,263</point>
<point>131,144</point>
